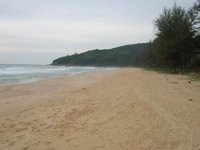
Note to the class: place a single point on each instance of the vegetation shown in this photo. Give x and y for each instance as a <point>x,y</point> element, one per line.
<point>177,42</point>
<point>195,76</point>
<point>120,56</point>
<point>176,47</point>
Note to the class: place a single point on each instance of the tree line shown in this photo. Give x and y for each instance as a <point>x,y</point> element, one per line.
<point>177,40</point>
<point>119,56</point>
<point>176,45</point>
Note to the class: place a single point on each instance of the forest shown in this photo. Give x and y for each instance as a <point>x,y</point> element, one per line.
<point>176,45</point>
<point>119,56</point>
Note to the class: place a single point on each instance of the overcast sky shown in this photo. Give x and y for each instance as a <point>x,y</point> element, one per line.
<point>38,31</point>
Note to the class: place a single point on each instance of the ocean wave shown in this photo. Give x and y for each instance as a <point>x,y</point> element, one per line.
<point>22,73</point>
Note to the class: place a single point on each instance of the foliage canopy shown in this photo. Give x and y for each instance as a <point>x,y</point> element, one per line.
<point>177,45</point>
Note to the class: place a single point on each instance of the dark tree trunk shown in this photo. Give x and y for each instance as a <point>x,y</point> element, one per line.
<point>174,68</point>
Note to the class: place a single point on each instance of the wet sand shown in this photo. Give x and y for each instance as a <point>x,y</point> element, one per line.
<point>123,109</point>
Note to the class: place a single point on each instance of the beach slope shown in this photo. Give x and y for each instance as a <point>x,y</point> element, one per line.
<point>126,108</point>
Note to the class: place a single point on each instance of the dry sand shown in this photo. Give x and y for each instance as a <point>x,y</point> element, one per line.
<point>123,109</point>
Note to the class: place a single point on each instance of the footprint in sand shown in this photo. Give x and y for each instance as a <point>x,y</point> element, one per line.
<point>12,125</point>
<point>99,146</point>
<point>47,143</point>
<point>25,148</point>
<point>20,130</point>
<point>37,143</point>
<point>21,137</point>
<point>7,119</point>
<point>12,143</point>
<point>61,135</point>
<point>68,140</point>
<point>42,124</point>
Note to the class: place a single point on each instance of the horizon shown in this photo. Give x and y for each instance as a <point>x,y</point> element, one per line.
<point>35,32</point>
<point>70,55</point>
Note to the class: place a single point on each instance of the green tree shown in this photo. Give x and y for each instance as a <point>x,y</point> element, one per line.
<point>194,14</point>
<point>145,57</point>
<point>175,33</point>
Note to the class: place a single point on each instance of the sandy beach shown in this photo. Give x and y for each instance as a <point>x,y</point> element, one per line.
<point>122,109</point>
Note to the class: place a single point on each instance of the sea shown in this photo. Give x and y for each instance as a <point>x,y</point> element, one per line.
<point>12,73</point>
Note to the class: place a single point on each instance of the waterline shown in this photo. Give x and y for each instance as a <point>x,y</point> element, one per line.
<point>28,73</point>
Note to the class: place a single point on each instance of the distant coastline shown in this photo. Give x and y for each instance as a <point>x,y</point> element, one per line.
<point>122,56</point>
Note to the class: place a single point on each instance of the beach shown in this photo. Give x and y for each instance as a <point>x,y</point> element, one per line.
<point>121,109</point>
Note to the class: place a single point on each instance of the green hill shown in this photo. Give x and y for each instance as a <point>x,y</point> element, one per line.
<point>119,56</point>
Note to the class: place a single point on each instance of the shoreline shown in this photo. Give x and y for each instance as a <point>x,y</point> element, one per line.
<point>56,76</point>
<point>125,108</point>
<point>53,83</point>
<point>17,74</point>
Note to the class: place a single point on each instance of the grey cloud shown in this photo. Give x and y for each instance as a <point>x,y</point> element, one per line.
<point>55,27</point>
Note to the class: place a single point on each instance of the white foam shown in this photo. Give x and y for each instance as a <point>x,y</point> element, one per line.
<point>21,73</point>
